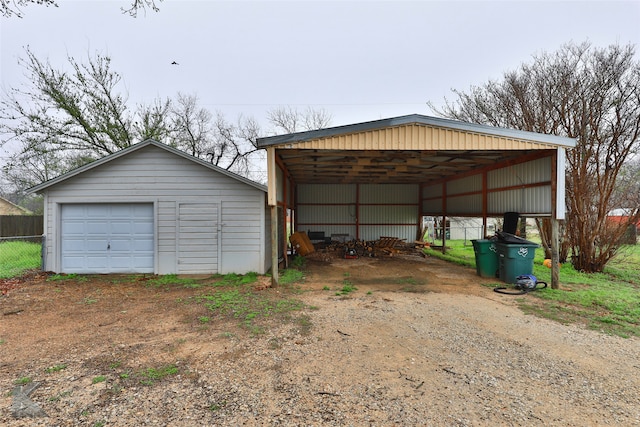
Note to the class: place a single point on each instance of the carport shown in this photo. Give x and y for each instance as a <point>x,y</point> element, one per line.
<point>380,177</point>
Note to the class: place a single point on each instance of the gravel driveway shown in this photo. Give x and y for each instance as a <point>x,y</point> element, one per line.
<point>442,351</point>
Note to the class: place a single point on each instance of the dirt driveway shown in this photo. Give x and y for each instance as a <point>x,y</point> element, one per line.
<point>418,342</point>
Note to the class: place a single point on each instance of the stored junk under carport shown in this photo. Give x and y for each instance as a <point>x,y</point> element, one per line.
<point>380,178</point>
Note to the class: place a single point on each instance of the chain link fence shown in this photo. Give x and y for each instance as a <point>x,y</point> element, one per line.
<point>19,254</point>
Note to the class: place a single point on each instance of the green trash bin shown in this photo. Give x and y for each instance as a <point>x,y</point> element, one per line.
<point>486,257</point>
<point>515,259</point>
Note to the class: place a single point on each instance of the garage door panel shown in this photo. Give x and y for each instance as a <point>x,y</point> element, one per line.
<point>97,228</point>
<point>70,227</point>
<point>74,211</point>
<point>120,245</point>
<point>73,245</point>
<point>97,263</point>
<point>120,262</point>
<point>143,227</point>
<point>143,245</point>
<point>142,261</point>
<point>95,245</point>
<point>73,262</point>
<point>107,238</point>
<point>121,227</point>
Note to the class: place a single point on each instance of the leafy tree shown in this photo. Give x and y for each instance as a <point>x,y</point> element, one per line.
<point>62,120</point>
<point>9,8</point>
<point>78,111</point>
<point>591,94</point>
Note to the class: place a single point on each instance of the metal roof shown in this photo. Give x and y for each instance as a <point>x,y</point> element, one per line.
<point>406,149</point>
<point>416,119</point>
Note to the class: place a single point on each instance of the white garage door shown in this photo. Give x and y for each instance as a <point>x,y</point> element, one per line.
<point>107,238</point>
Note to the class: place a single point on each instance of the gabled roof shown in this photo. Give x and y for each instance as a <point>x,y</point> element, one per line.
<point>135,147</point>
<point>9,208</point>
<point>416,119</point>
<point>405,149</point>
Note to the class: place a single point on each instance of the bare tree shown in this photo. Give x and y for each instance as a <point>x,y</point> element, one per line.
<point>235,144</point>
<point>291,120</point>
<point>228,145</point>
<point>581,92</point>
<point>9,8</point>
<point>140,5</point>
<point>192,126</point>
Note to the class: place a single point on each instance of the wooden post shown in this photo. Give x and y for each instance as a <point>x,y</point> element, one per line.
<point>485,204</point>
<point>444,234</point>
<point>557,212</point>
<point>274,246</point>
<point>444,217</point>
<point>272,200</point>
<point>555,257</point>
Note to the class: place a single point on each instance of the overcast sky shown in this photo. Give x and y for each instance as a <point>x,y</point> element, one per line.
<point>359,60</point>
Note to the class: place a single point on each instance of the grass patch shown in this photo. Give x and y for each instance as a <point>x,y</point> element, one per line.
<point>172,280</point>
<point>18,257</point>
<point>299,261</point>
<point>152,375</point>
<point>98,379</point>
<point>23,381</point>
<point>146,377</point>
<point>55,368</point>
<point>457,253</point>
<point>234,297</point>
<point>347,288</point>
<point>608,302</point>
<point>233,279</point>
<point>290,276</point>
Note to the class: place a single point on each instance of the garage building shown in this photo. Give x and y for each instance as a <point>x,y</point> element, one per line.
<point>154,209</point>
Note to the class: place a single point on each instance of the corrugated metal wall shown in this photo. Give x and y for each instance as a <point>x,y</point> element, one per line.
<point>417,137</point>
<point>524,188</point>
<point>521,174</point>
<point>366,211</point>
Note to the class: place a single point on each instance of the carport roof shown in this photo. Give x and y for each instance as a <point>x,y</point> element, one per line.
<point>405,149</point>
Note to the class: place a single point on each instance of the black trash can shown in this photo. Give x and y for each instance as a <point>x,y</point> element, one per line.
<point>510,223</point>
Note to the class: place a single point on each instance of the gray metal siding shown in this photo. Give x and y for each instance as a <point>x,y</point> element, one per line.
<point>152,174</point>
<point>326,193</point>
<point>333,214</point>
<point>525,173</point>
<point>524,188</point>
<point>525,200</point>
<point>470,203</point>
<point>464,185</point>
<point>389,193</point>
<point>367,211</point>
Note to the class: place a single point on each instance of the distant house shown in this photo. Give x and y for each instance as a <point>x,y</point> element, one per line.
<point>8,208</point>
<point>153,209</point>
<point>621,216</point>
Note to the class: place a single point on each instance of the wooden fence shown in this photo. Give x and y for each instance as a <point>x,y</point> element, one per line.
<point>21,225</point>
